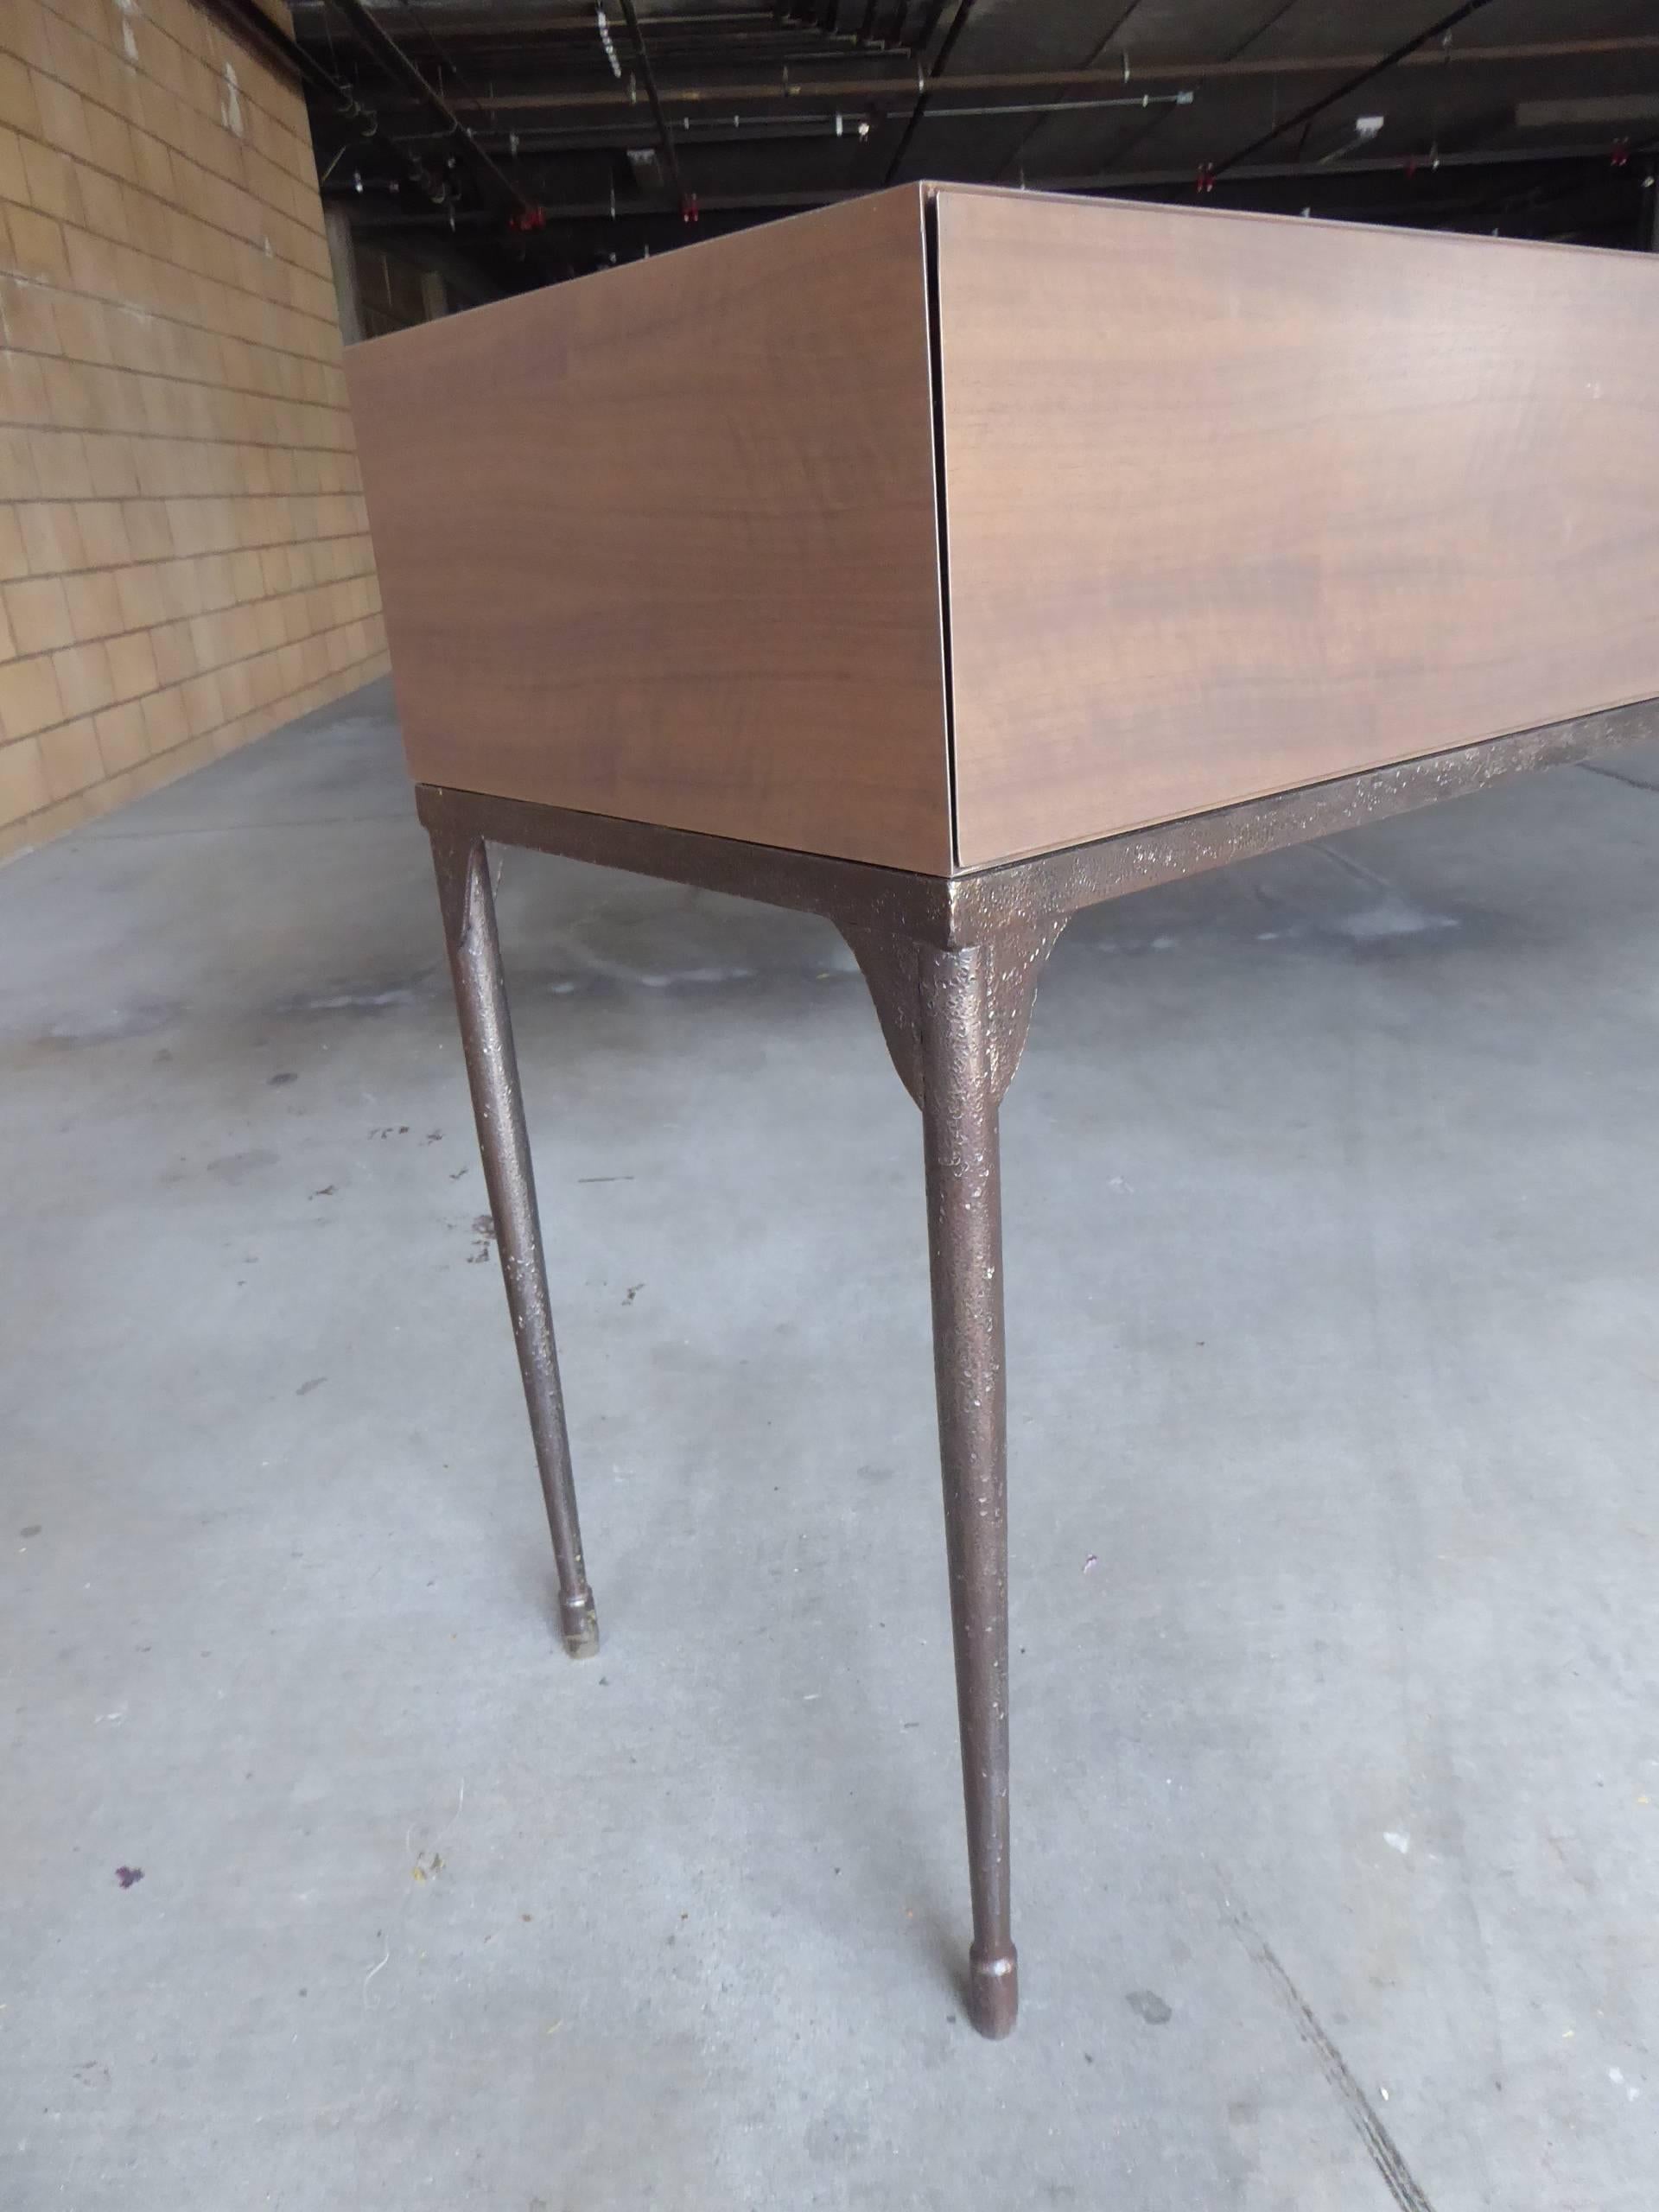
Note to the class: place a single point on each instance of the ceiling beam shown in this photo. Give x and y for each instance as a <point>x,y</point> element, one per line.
<point>1103,182</point>
<point>402,71</point>
<point>928,74</point>
<point>664,136</point>
<point>1304,116</point>
<point>908,83</point>
<point>248,20</point>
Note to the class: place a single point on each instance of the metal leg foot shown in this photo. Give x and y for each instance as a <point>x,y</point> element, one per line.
<point>993,1993</point>
<point>579,1625</point>
<point>492,1072</point>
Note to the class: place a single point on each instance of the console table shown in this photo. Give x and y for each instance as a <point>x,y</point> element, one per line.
<point>950,560</point>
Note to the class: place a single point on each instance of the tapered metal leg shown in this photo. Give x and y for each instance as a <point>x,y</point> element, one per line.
<point>955,1023</point>
<point>492,1072</point>
<point>964,1223</point>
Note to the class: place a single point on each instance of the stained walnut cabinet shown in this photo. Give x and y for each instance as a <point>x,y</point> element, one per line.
<point>947,526</point>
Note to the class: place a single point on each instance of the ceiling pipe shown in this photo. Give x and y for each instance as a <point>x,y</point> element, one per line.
<point>1105,186</point>
<point>396,63</point>
<point>836,123</point>
<point>247,20</point>
<point>1066,107</point>
<point>903,85</point>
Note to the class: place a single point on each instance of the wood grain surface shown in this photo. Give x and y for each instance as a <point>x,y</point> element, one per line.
<point>1236,503</point>
<point>662,543</point>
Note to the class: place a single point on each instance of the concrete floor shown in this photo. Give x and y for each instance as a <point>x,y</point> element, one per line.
<point>1332,1224</point>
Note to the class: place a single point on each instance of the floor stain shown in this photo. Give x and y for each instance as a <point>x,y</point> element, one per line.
<point>140,1018</point>
<point>1390,918</point>
<point>358,1001</point>
<point>1148,2005</point>
<point>237,1166</point>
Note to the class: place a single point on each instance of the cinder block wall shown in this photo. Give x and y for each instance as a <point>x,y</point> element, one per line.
<point>184,559</point>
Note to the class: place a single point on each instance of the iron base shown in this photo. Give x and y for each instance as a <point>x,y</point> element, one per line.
<point>952,962</point>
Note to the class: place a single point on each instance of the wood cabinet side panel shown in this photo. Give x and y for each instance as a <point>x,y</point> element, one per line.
<point>1236,504</point>
<point>662,543</point>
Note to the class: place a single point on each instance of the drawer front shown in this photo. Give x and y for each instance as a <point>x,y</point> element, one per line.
<point>1238,503</point>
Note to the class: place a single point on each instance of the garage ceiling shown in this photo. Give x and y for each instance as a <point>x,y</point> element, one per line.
<point>519,141</point>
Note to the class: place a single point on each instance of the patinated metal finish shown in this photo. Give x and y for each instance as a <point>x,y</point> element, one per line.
<point>894,968</point>
<point>953,965</point>
<point>468,906</point>
<point>957,993</point>
<point>965,909</point>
